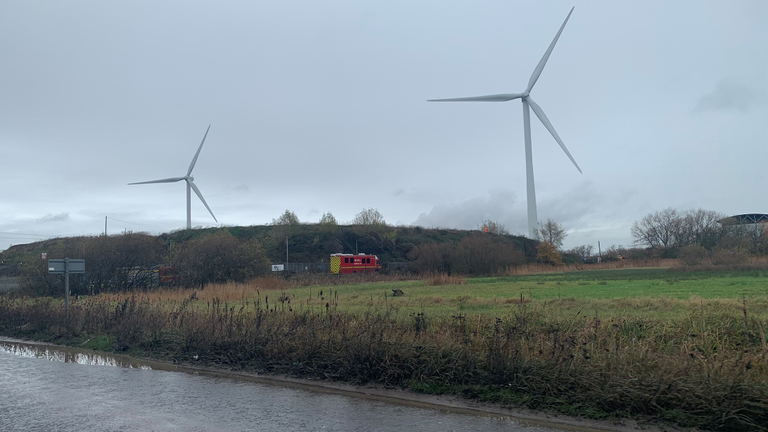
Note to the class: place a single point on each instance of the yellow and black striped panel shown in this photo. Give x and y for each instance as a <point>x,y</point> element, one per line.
<point>335,265</point>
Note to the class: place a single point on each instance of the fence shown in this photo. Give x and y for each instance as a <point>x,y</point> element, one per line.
<point>299,268</point>
<point>322,267</point>
<point>398,267</point>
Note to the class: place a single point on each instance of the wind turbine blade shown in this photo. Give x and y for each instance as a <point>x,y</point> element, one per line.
<point>194,160</point>
<point>489,98</point>
<point>200,195</point>
<point>543,62</point>
<point>545,121</point>
<point>168,180</point>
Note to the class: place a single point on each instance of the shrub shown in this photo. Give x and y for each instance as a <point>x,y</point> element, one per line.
<point>473,255</point>
<point>436,279</point>
<point>692,255</point>
<point>727,257</point>
<point>220,258</point>
<point>112,264</point>
<point>547,254</point>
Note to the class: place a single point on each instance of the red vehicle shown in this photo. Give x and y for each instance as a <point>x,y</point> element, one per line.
<point>161,275</point>
<point>351,263</point>
<point>168,276</point>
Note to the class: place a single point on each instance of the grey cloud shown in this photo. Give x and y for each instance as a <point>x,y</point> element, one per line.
<point>729,95</point>
<point>569,209</point>
<point>497,205</point>
<point>307,112</point>
<point>61,217</point>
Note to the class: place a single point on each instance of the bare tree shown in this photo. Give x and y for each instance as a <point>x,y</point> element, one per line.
<point>584,251</point>
<point>369,216</point>
<point>670,228</point>
<point>430,257</point>
<point>494,227</point>
<point>115,263</point>
<point>754,237</point>
<point>220,258</point>
<point>659,229</point>
<point>616,252</point>
<point>700,227</point>
<point>287,218</point>
<point>473,255</point>
<point>551,232</point>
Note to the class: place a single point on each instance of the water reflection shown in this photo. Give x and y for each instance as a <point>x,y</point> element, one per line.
<point>67,355</point>
<point>66,393</point>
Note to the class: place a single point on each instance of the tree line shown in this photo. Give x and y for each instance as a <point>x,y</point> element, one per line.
<point>473,255</point>
<point>132,261</point>
<point>368,216</point>
<point>671,231</point>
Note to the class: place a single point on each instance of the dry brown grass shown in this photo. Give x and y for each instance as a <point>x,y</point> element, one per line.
<point>434,300</point>
<point>434,279</point>
<point>531,269</point>
<point>347,279</point>
<point>706,370</point>
<point>235,292</point>
<point>742,263</point>
<point>230,292</point>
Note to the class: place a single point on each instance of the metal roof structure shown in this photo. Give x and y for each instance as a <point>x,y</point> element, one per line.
<point>745,219</point>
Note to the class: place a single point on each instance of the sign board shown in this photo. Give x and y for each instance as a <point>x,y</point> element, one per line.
<point>60,266</point>
<point>278,267</point>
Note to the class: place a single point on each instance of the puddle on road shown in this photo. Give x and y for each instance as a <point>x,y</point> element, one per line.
<point>77,356</point>
<point>56,353</point>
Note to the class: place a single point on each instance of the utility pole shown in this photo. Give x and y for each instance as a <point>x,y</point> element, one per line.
<point>286,250</point>
<point>105,226</point>
<point>66,287</point>
<point>599,253</point>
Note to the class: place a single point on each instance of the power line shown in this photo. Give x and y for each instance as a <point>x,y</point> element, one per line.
<point>132,223</point>
<point>21,238</point>
<point>24,234</point>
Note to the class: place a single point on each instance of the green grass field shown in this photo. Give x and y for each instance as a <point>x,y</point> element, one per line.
<point>653,293</point>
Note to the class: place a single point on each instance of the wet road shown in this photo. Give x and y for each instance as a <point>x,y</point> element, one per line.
<point>47,389</point>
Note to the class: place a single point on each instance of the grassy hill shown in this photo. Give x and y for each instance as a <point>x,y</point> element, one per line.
<point>306,243</point>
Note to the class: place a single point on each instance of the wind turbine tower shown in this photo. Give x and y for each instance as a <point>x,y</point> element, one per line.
<point>528,102</point>
<point>190,184</point>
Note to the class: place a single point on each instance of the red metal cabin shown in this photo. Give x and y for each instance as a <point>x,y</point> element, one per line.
<point>168,276</point>
<point>351,263</point>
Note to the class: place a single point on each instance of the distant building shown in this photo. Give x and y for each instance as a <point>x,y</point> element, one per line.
<point>745,219</point>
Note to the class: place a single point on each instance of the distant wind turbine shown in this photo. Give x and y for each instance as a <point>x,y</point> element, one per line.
<point>190,184</point>
<point>527,101</point>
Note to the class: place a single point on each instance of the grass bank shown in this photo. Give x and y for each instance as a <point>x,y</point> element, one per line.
<point>590,352</point>
<point>655,293</point>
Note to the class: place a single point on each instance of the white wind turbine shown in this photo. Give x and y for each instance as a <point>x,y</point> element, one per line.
<point>527,101</point>
<point>190,184</point>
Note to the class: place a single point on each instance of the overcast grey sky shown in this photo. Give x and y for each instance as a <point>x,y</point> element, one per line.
<point>321,106</point>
